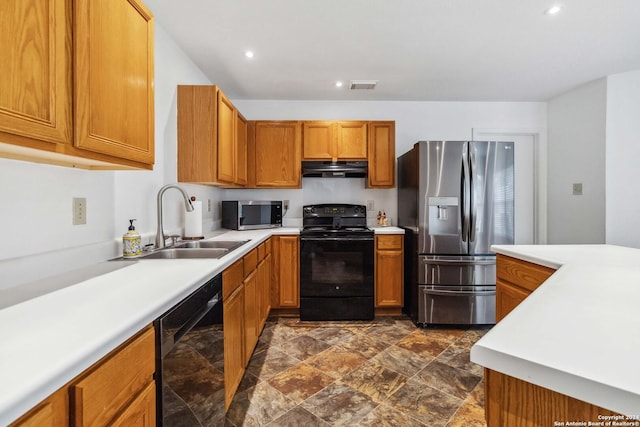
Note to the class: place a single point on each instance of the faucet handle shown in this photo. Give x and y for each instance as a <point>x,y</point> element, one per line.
<point>174,238</point>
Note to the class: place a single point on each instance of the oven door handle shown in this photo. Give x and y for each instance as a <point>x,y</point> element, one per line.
<point>335,239</point>
<point>186,327</point>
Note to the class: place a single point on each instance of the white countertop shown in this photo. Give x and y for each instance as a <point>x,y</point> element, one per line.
<point>50,339</point>
<point>579,333</point>
<point>387,229</point>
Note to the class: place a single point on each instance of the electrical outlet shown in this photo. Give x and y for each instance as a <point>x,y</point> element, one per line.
<point>285,204</point>
<point>208,205</point>
<point>577,189</point>
<point>370,205</point>
<point>79,211</point>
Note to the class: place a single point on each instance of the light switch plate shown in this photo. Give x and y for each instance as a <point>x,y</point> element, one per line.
<point>577,189</point>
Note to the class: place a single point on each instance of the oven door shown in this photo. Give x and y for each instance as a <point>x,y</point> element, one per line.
<point>334,267</point>
<point>336,278</point>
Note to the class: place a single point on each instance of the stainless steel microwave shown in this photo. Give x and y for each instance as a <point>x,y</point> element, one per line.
<point>251,214</point>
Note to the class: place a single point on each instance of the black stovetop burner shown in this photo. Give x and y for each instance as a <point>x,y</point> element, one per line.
<point>334,219</point>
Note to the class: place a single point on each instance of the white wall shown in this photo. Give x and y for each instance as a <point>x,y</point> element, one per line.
<point>622,154</point>
<point>415,121</point>
<point>576,127</point>
<point>38,239</point>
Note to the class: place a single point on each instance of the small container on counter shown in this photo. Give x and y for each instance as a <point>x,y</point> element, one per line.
<point>131,242</point>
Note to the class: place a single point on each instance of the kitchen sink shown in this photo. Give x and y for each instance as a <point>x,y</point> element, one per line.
<point>182,253</point>
<point>196,249</point>
<point>213,244</point>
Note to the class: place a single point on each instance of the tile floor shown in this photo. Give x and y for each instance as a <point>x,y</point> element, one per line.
<point>381,373</point>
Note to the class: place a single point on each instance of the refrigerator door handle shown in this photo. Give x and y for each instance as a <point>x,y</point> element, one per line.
<point>464,190</point>
<point>459,262</point>
<point>472,202</point>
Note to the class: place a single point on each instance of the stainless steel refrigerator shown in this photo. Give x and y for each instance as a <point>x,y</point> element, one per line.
<point>455,199</point>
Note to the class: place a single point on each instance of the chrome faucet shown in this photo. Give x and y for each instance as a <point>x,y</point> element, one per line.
<point>160,238</point>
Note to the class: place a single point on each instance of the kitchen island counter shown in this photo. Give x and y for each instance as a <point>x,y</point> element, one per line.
<point>50,339</point>
<point>577,334</point>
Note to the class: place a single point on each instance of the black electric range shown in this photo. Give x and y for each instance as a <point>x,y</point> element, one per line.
<point>336,263</point>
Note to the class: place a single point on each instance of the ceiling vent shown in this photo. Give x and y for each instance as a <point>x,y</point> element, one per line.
<point>362,84</point>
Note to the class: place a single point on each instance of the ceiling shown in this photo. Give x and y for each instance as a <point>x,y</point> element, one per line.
<point>423,50</point>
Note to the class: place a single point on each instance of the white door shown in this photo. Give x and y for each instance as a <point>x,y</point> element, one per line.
<point>525,181</point>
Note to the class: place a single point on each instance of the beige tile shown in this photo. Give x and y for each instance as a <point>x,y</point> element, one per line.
<point>336,361</point>
<point>419,343</point>
<point>468,415</point>
<point>448,379</point>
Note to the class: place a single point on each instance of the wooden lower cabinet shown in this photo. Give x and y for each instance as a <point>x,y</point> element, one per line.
<point>251,314</point>
<point>118,390</point>
<point>511,402</point>
<point>51,412</point>
<point>389,271</point>
<point>246,288</point>
<point>516,280</point>
<point>233,313</point>
<point>285,291</point>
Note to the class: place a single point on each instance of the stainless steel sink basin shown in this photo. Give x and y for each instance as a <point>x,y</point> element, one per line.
<point>221,244</point>
<point>196,249</point>
<point>182,253</point>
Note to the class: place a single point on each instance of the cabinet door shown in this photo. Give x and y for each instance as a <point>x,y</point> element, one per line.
<point>141,412</point>
<point>277,154</point>
<point>106,389</point>
<point>351,140</point>
<point>233,313</point>
<point>318,141</point>
<point>113,71</point>
<point>250,315</point>
<point>52,412</point>
<point>226,139</point>
<point>389,275</point>
<point>382,157</point>
<point>241,149</point>
<point>507,298</point>
<point>288,274</point>
<point>35,65</point>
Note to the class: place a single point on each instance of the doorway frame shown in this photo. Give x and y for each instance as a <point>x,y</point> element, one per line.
<point>539,171</point>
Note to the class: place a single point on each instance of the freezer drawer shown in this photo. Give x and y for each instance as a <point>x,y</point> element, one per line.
<point>456,271</point>
<point>457,305</point>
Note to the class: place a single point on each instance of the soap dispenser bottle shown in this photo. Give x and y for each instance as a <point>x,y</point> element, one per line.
<point>131,242</point>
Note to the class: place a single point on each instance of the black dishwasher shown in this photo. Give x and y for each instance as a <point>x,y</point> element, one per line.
<point>190,360</point>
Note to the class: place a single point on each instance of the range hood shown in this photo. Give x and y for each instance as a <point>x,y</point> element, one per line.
<point>322,169</point>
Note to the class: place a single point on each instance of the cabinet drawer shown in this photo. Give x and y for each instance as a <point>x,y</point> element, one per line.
<point>521,273</point>
<point>389,242</point>
<point>232,277</point>
<point>106,389</point>
<point>250,262</point>
<point>267,247</point>
<point>261,251</point>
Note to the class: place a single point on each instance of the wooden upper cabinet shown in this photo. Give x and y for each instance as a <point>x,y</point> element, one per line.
<point>226,139</point>
<point>212,138</point>
<point>352,140</point>
<point>332,141</point>
<point>318,140</point>
<point>96,55</point>
<point>242,135</point>
<point>35,65</point>
<point>382,155</point>
<point>113,70</point>
<point>277,154</point>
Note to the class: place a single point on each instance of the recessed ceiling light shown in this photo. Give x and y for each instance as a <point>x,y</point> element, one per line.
<point>553,10</point>
<point>248,54</point>
<point>338,84</point>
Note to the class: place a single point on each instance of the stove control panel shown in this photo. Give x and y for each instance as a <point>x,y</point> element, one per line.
<point>334,210</point>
